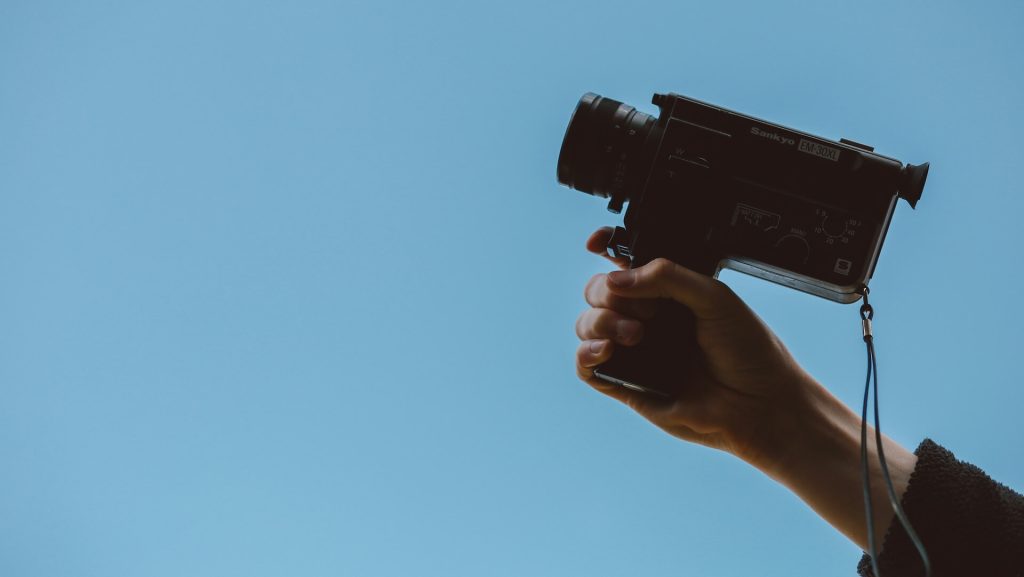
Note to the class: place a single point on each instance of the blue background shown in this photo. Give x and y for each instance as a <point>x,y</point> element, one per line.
<point>288,288</point>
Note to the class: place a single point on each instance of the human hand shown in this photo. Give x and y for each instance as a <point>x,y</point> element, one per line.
<point>747,385</point>
<point>746,396</point>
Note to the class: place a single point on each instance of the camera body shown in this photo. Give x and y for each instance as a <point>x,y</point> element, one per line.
<point>709,189</point>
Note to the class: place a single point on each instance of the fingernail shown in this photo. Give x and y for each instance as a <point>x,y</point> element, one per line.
<point>622,278</point>
<point>627,331</point>
<point>597,347</point>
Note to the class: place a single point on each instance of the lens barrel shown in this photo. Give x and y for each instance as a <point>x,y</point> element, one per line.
<point>602,152</point>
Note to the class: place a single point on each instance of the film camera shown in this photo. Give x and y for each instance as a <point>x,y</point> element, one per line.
<point>709,189</point>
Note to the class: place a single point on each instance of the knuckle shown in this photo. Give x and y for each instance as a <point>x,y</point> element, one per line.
<point>582,323</point>
<point>662,267</point>
<point>584,374</point>
<point>596,323</point>
<point>593,323</point>
<point>591,291</point>
<point>607,324</point>
<point>579,374</point>
<point>584,362</point>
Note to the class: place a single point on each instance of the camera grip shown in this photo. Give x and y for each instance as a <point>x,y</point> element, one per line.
<point>659,363</point>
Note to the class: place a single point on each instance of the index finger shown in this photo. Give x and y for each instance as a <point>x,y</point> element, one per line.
<point>598,244</point>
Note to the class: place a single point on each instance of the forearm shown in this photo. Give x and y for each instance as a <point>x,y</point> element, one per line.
<point>815,452</point>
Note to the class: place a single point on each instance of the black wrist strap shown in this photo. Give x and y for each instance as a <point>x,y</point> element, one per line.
<point>867,313</point>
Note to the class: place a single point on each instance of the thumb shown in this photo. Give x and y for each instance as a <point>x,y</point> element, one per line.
<point>662,278</point>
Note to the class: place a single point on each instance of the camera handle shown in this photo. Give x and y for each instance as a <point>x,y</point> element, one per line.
<point>660,363</point>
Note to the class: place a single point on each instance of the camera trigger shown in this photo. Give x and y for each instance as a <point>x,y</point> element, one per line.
<point>619,244</point>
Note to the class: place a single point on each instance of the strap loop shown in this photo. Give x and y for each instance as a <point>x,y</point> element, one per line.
<point>867,312</point>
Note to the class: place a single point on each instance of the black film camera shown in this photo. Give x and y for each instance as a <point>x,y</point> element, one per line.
<point>709,188</point>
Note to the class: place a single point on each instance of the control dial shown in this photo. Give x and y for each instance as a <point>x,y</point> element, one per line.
<point>837,228</point>
<point>793,251</point>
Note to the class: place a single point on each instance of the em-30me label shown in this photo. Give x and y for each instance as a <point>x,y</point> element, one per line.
<point>811,147</point>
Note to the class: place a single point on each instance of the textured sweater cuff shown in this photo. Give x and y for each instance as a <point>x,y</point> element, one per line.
<point>969,524</point>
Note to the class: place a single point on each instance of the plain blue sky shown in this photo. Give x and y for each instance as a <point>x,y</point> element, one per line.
<point>288,288</point>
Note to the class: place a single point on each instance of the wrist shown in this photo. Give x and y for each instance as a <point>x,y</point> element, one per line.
<point>811,445</point>
<point>806,422</point>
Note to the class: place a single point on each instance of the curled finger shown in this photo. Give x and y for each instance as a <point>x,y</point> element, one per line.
<point>610,325</point>
<point>597,294</point>
<point>598,244</point>
<point>589,355</point>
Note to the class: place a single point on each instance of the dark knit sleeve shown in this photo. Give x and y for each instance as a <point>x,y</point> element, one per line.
<point>969,524</point>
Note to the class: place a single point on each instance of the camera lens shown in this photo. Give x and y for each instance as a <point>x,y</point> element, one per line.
<point>602,152</point>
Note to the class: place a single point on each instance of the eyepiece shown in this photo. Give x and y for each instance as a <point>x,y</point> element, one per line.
<point>602,149</point>
<point>912,182</point>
